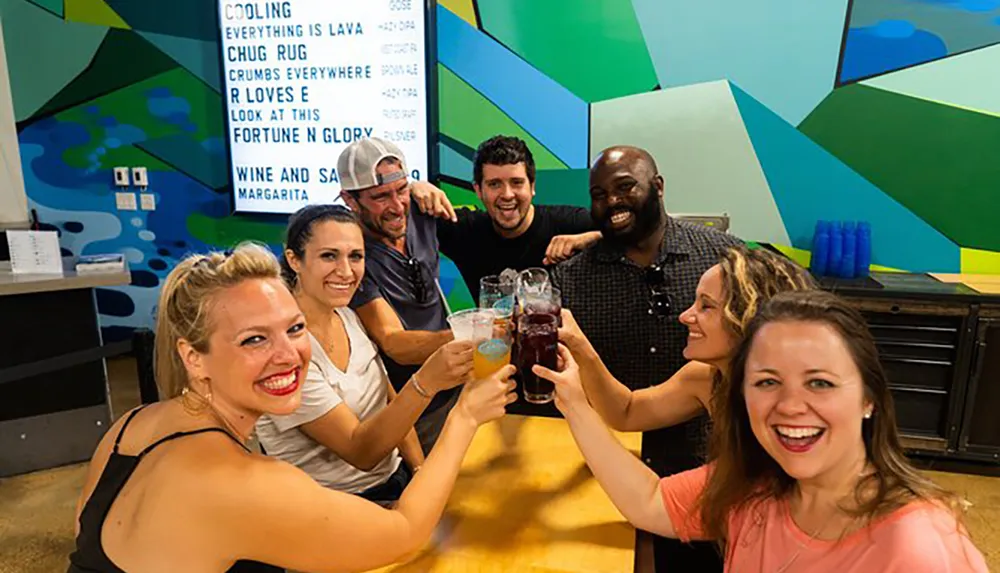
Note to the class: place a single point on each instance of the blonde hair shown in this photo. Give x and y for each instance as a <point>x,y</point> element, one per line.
<point>750,278</point>
<point>185,303</point>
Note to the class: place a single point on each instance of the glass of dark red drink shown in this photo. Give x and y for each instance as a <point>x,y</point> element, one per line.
<point>538,337</point>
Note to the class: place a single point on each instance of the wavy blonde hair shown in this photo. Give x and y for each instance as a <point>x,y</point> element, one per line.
<point>184,309</point>
<point>750,277</point>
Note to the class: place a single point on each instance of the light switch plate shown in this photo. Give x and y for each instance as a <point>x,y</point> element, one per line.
<point>125,201</point>
<point>121,176</point>
<point>147,201</point>
<point>139,177</point>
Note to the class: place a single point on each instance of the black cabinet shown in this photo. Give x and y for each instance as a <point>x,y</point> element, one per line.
<point>942,359</point>
<point>980,429</point>
<point>925,351</point>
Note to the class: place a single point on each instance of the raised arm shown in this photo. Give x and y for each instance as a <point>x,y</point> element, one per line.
<point>409,448</point>
<point>680,398</point>
<point>562,247</point>
<point>364,444</point>
<point>632,486</point>
<point>432,201</point>
<point>403,346</point>
<point>274,513</point>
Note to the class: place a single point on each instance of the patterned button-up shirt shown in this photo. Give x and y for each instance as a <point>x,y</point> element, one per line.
<point>609,296</point>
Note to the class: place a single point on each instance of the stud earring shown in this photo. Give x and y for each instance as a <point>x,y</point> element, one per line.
<point>868,414</point>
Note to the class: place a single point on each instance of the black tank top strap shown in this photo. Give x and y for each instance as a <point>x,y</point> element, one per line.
<point>128,420</point>
<point>176,435</point>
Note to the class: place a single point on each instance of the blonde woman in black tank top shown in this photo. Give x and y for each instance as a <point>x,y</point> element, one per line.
<point>178,490</point>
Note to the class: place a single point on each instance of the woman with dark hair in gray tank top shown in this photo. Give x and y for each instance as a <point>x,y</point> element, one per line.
<point>173,487</point>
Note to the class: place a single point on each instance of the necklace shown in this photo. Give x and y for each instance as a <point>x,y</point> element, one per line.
<point>802,546</point>
<point>228,427</point>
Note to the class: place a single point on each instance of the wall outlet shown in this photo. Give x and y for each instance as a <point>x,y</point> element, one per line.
<point>147,201</point>
<point>125,201</point>
<point>139,177</point>
<point>121,176</point>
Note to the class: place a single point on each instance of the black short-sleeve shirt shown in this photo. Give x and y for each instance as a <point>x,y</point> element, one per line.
<point>478,250</point>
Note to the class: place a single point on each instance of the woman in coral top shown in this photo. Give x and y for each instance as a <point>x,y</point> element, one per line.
<point>807,472</point>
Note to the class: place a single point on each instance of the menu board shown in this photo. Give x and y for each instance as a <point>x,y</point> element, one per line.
<point>305,78</point>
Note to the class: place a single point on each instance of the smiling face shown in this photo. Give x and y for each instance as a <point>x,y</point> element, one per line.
<point>709,340</point>
<point>257,351</point>
<point>626,195</point>
<point>506,193</point>
<point>333,263</point>
<point>805,398</point>
<point>384,209</point>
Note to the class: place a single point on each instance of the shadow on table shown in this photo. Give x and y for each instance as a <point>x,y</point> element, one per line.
<point>517,524</point>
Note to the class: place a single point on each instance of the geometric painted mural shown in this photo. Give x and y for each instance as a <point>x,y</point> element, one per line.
<point>774,117</point>
<point>747,118</point>
<point>922,154</point>
<point>784,52</point>
<point>961,81</point>
<point>606,38</point>
<point>93,108</point>
<point>888,35</point>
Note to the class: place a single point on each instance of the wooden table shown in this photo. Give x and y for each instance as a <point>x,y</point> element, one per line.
<point>526,502</point>
<point>986,284</point>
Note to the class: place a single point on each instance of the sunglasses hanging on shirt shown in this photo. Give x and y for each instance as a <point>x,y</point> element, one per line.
<point>415,269</point>
<point>660,301</point>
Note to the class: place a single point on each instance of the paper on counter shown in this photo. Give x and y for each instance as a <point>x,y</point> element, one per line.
<point>35,252</point>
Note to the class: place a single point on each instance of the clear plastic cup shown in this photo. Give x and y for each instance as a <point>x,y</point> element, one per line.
<point>473,324</point>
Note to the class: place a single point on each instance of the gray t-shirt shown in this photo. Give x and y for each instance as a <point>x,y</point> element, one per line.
<point>409,284</point>
<point>363,388</point>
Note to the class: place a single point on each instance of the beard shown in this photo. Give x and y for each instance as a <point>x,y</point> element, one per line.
<point>378,227</point>
<point>645,222</point>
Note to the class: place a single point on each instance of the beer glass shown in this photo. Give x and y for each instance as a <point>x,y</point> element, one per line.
<point>538,337</point>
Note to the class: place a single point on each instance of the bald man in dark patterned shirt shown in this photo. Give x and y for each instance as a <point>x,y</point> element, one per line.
<point>627,293</point>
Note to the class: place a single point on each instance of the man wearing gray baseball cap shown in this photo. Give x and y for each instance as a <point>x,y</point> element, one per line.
<point>399,301</point>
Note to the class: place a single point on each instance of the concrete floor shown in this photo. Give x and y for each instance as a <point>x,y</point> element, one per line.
<point>36,510</point>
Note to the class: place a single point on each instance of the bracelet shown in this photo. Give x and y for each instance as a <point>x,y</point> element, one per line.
<point>420,389</point>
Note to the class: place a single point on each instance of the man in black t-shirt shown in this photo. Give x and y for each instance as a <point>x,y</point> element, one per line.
<point>511,232</point>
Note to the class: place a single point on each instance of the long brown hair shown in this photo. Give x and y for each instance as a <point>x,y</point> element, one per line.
<point>744,473</point>
<point>185,304</point>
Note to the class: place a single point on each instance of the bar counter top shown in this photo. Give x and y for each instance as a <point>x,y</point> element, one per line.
<point>941,287</point>
<point>15,284</point>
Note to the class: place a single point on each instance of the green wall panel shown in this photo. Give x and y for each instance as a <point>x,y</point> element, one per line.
<point>54,6</point>
<point>563,187</point>
<point>229,231</point>
<point>112,69</point>
<point>938,161</point>
<point>593,48</point>
<point>461,197</point>
<point>470,118</point>
<point>44,53</point>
